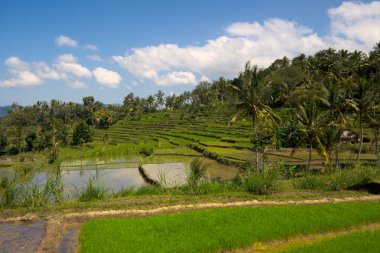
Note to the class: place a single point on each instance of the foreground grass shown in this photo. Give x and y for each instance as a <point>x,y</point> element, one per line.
<point>364,242</point>
<point>211,230</point>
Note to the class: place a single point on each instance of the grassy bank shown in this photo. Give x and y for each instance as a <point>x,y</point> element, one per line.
<point>221,228</point>
<point>364,242</point>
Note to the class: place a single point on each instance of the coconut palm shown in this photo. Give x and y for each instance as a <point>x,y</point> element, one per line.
<point>252,86</point>
<point>363,98</point>
<point>309,101</point>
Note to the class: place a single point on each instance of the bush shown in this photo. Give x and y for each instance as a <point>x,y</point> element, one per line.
<point>82,134</point>
<point>262,182</point>
<point>31,194</point>
<point>195,176</point>
<point>338,180</point>
<point>95,189</point>
<point>4,182</point>
<point>10,194</point>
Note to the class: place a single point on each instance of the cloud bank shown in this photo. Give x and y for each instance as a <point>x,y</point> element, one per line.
<point>354,26</point>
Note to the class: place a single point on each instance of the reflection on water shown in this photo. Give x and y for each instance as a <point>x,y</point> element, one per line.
<point>122,172</point>
<point>114,179</point>
<point>115,173</point>
<point>21,237</point>
<point>168,174</point>
<point>102,163</point>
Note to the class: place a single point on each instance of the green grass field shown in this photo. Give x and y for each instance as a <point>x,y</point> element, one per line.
<point>363,242</point>
<point>221,229</point>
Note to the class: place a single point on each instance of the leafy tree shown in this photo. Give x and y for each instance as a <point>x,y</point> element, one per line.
<point>3,143</point>
<point>82,132</point>
<point>29,139</point>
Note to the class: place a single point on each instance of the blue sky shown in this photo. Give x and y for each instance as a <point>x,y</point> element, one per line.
<point>70,49</point>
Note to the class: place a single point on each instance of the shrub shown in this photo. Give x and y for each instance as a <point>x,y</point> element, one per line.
<point>338,180</point>
<point>195,176</point>
<point>82,133</point>
<point>262,182</point>
<point>95,189</point>
<point>10,194</point>
<point>4,182</point>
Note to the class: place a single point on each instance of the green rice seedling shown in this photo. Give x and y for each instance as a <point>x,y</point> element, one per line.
<point>362,241</point>
<point>225,229</point>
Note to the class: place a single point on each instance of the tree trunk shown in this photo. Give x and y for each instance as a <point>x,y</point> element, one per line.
<point>376,132</point>
<point>256,144</point>
<point>310,151</point>
<point>257,157</point>
<point>360,138</point>
<point>337,157</point>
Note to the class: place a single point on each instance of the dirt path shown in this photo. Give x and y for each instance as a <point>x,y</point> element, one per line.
<point>56,226</point>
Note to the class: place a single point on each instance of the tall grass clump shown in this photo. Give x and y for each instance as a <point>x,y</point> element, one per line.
<point>338,179</point>
<point>94,189</point>
<point>263,182</point>
<point>195,177</point>
<point>10,194</point>
<point>31,194</point>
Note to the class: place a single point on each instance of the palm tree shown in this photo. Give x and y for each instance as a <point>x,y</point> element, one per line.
<point>159,99</point>
<point>335,119</point>
<point>251,101</point>
<point>364,100</point>
<point>309,100</point>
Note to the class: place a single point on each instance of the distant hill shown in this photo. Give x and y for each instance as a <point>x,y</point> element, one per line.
<point>4,110</point>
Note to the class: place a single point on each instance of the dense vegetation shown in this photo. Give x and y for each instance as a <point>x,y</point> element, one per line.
<point>221,229</point>
<point>282,122</point>
<point>303,102</point>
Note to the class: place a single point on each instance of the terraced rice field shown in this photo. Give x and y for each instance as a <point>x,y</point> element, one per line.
<point>230,144</point>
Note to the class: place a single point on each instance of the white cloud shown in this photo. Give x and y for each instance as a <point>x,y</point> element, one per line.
<point>77,85</point>
<point>354,26</point>
<point>91,47</point>
<point>44,71</point>
<point>205,79</point>
<point>67,58</point>
<point>245,29</point>
<point>67,63</point>
<point>176,78</point>
<point>93,57</point>
<point>23,78</point>
<point>14,62</point>
<point>65,41</point>
<point>21,74</point>
<point>225,55</point>
<point>107,77</point>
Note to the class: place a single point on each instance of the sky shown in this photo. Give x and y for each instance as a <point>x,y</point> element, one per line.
<point>69,49</point>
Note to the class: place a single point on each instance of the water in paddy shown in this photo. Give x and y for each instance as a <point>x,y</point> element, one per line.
<point>116,173</point>
<point>17,237</point>
<point>122,172</point>
<point>169,174</point>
